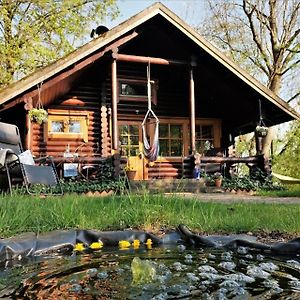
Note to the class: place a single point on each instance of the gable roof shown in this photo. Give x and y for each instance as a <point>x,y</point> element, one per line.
<point>27,84</point>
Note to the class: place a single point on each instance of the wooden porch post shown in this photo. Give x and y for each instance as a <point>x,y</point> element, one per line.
<point>114,91</point>
<point>28,137</point>
<point>192,111</point>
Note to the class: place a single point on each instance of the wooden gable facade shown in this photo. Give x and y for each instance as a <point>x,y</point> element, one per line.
<point>96,98</point>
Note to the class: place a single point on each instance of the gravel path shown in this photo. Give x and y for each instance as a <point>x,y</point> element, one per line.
<point>232,198</point>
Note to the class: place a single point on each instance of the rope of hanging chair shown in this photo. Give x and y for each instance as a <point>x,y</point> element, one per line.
<point>150,151</point>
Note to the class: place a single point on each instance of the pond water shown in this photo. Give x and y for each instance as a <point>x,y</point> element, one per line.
<point>179,273</point>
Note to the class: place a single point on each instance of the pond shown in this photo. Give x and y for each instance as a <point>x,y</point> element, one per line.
<point>177,272</point>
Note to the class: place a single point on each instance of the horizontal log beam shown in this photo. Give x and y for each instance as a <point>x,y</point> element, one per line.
<point>81,160</point>
<point>231,160</point>
<point>152,60</point>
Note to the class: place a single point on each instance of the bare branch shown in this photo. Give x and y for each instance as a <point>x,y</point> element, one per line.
<point>276,49</point>
<point>293,98</point>
<point>291,25</point>
<point>255,35</point>
<point>291,54</point>
<point>293,51</point>
<point>290,67</point>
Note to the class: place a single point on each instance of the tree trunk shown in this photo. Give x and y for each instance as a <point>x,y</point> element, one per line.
<point>267,142</point>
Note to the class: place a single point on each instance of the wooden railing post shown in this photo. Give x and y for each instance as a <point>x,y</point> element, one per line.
<point>192,112</point>
<point>114,91</point>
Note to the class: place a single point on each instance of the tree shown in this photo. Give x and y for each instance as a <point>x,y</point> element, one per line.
<point>34,33</point>
<point>288,161</point>
<point>263,36</point>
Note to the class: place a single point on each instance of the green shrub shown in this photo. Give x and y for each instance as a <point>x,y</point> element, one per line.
<point>257,181</point>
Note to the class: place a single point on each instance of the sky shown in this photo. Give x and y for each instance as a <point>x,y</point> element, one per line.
<point>188,10</point>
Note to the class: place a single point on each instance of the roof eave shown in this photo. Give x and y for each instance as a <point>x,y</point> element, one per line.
<point>47,72</point>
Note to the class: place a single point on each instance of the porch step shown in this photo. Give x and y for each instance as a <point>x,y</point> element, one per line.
<point>169,186</point>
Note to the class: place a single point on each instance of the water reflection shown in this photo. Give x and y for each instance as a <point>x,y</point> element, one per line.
<point>180,274</point>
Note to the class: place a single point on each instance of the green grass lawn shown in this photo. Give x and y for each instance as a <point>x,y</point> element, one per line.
<point>288,191</point>
<point>149,212</point>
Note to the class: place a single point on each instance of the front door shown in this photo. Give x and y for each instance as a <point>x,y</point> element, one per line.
<point>131,147</point>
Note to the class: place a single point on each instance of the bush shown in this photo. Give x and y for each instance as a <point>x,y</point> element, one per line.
<point>257,181</point>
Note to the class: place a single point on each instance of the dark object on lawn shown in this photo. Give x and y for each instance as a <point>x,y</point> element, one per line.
<point>290,248</point>
<point>20,166</point>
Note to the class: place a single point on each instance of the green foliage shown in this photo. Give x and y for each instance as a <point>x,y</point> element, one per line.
<point>257,181</point>
<point>288,161</point>
<point>37,32</point>
<point>105,171</point>
<point>38,115</point>
<point>288,191</point>
<point>74,186</point>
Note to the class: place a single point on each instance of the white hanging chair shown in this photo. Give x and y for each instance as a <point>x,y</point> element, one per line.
<point>150,151</point>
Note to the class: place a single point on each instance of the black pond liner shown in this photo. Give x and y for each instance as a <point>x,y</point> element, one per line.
<point>187,266</point>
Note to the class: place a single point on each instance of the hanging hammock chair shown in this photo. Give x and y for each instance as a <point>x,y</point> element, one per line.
<point>286,179</point>
<point>150,151</point>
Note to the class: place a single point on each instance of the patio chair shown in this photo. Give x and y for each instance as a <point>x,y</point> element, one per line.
<point>19,166</point>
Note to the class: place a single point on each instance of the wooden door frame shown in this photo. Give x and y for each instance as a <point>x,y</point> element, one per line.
<point>138,123</point>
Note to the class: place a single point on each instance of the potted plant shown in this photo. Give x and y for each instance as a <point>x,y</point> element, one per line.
<point>261,130</point>
<point>217,177</point>
<point>38,115</point>
<point>130,172</point>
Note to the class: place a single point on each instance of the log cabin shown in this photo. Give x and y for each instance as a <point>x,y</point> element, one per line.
<point>96,99</point>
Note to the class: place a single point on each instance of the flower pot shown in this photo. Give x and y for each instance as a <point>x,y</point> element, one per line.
<point>261,131</point>
<point>218,182</point>
<point>38,115</point>
<point>130,174</point>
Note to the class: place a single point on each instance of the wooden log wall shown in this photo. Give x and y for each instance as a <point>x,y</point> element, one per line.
<point>90,95</point>
<point>172,95</point>
<point>171,168</point>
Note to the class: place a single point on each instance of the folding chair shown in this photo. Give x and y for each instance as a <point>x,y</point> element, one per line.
<point>30,171</point>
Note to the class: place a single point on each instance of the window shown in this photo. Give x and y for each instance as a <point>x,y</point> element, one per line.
<point>204,137</point>
<point>129,139</point>
<point>136,90</point>
<point>68,126</point>
<point>170,140</point>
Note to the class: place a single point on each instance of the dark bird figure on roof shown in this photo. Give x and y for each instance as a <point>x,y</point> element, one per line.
<point>98,31</point>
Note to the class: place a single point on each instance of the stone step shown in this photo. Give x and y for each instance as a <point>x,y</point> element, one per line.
<point>172,186</point>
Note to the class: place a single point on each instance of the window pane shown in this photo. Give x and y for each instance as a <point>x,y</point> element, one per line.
<point>134,151</point>
<point>123,129</point>
<point>74,127</point>
<point>163,147</point>
<point>200,146</point>
<point>134,129</point>
<point>198,131</point>
<point>57,126</point>
<point>134,140</point>
<point>124,140</point>
<point>163,130</point>
<point>176,148</point>
<point>207,132</point>
<point>124,151</point>
<point>175,131</point>
<point>133,89</point>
